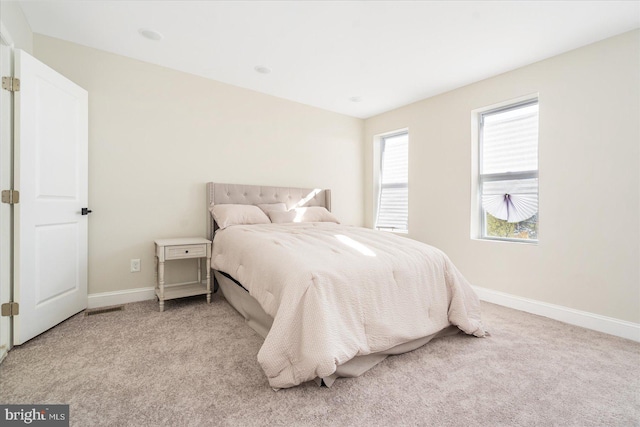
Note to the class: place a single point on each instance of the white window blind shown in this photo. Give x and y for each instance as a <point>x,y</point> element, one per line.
<point>393,198</point>
<point>509,171</point>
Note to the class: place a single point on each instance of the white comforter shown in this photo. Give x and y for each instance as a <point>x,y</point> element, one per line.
<point>336,292</point>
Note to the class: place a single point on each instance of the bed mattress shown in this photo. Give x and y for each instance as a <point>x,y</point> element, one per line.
<point>336,292</point>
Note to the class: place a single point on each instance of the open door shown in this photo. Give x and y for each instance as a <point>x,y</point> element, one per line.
<point>6,156</point>
<point>50,173</point>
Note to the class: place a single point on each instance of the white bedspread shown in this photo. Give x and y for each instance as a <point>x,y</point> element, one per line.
<point>336,292</point>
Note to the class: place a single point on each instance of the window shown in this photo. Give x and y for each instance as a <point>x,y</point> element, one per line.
<point>393,177</point>
<point>508,178</point>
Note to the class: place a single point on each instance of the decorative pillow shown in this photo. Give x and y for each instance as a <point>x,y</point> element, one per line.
<point>278,217</point>
<point>315,214</point>
<point>227,215</point>
<point>270,207</point>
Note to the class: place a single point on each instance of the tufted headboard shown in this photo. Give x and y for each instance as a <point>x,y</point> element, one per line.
<point>254,194</point>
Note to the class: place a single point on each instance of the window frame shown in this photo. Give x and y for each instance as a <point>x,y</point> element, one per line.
<point>379,147</point>
<point>502,176</point>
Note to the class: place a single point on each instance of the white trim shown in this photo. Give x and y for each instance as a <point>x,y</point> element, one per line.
<point>584,319</point>
<point>475,225</point>
<point>106,299</point>
<point>501,104</point>
<point>377,170</point>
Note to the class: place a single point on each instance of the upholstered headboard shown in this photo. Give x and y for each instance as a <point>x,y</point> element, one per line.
<point>254,194</point>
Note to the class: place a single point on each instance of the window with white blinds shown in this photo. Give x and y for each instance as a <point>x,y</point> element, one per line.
<point>509,172</point>
<point>393,196</point>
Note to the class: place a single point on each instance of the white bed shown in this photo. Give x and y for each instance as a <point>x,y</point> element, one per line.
<point>332,300</point>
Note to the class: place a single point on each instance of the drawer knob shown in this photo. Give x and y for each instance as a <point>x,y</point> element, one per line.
<point>186,252</point>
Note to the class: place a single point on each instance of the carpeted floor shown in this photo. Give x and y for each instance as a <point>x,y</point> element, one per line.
<point>195,365</point>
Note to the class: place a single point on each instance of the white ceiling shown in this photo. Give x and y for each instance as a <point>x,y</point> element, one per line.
<point>324,53</point>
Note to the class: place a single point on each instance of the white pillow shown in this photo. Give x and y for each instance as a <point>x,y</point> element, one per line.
<point>314,214</point>
<point>270,207</point>
<point>227,215</point>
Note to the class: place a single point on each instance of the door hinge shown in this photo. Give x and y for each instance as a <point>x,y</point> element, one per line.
<point>10,196</point>
<point>10,309</point>
<point>12,84</point>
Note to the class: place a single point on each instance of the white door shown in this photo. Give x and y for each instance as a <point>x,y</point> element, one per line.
<point>6,120</point>
<point>50,172</point>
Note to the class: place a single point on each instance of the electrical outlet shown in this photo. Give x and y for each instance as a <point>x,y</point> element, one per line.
<point>135,265</point>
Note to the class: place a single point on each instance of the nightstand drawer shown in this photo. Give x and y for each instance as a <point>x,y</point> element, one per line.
<point>186,251</point>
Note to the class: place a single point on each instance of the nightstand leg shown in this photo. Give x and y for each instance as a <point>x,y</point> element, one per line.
<point>208,280</point>
<point>199,270</point>
<point>161,284</point>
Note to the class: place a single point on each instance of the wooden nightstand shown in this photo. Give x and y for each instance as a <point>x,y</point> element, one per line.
<point>183,248</point>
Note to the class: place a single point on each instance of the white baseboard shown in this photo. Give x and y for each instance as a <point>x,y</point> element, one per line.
<point>596,322</point>
<point>106,299</point>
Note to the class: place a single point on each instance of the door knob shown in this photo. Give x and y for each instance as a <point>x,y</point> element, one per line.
<point>86,211</point>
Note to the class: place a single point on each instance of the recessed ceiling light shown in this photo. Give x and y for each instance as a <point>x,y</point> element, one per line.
<point>262,69</point>
<point>355,99</point>
<point>150,34</point>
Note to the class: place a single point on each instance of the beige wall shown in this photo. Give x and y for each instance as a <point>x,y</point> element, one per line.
<point>156,136</point>
<point>14,21</point>
<point>588,256</point>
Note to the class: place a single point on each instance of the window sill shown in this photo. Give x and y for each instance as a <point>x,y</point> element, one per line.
<point>504,240</point>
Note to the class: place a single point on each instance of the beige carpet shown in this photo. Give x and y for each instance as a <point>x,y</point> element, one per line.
<point>195,365</point>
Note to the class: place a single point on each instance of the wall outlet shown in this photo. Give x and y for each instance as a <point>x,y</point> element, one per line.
<point>135,265</point>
